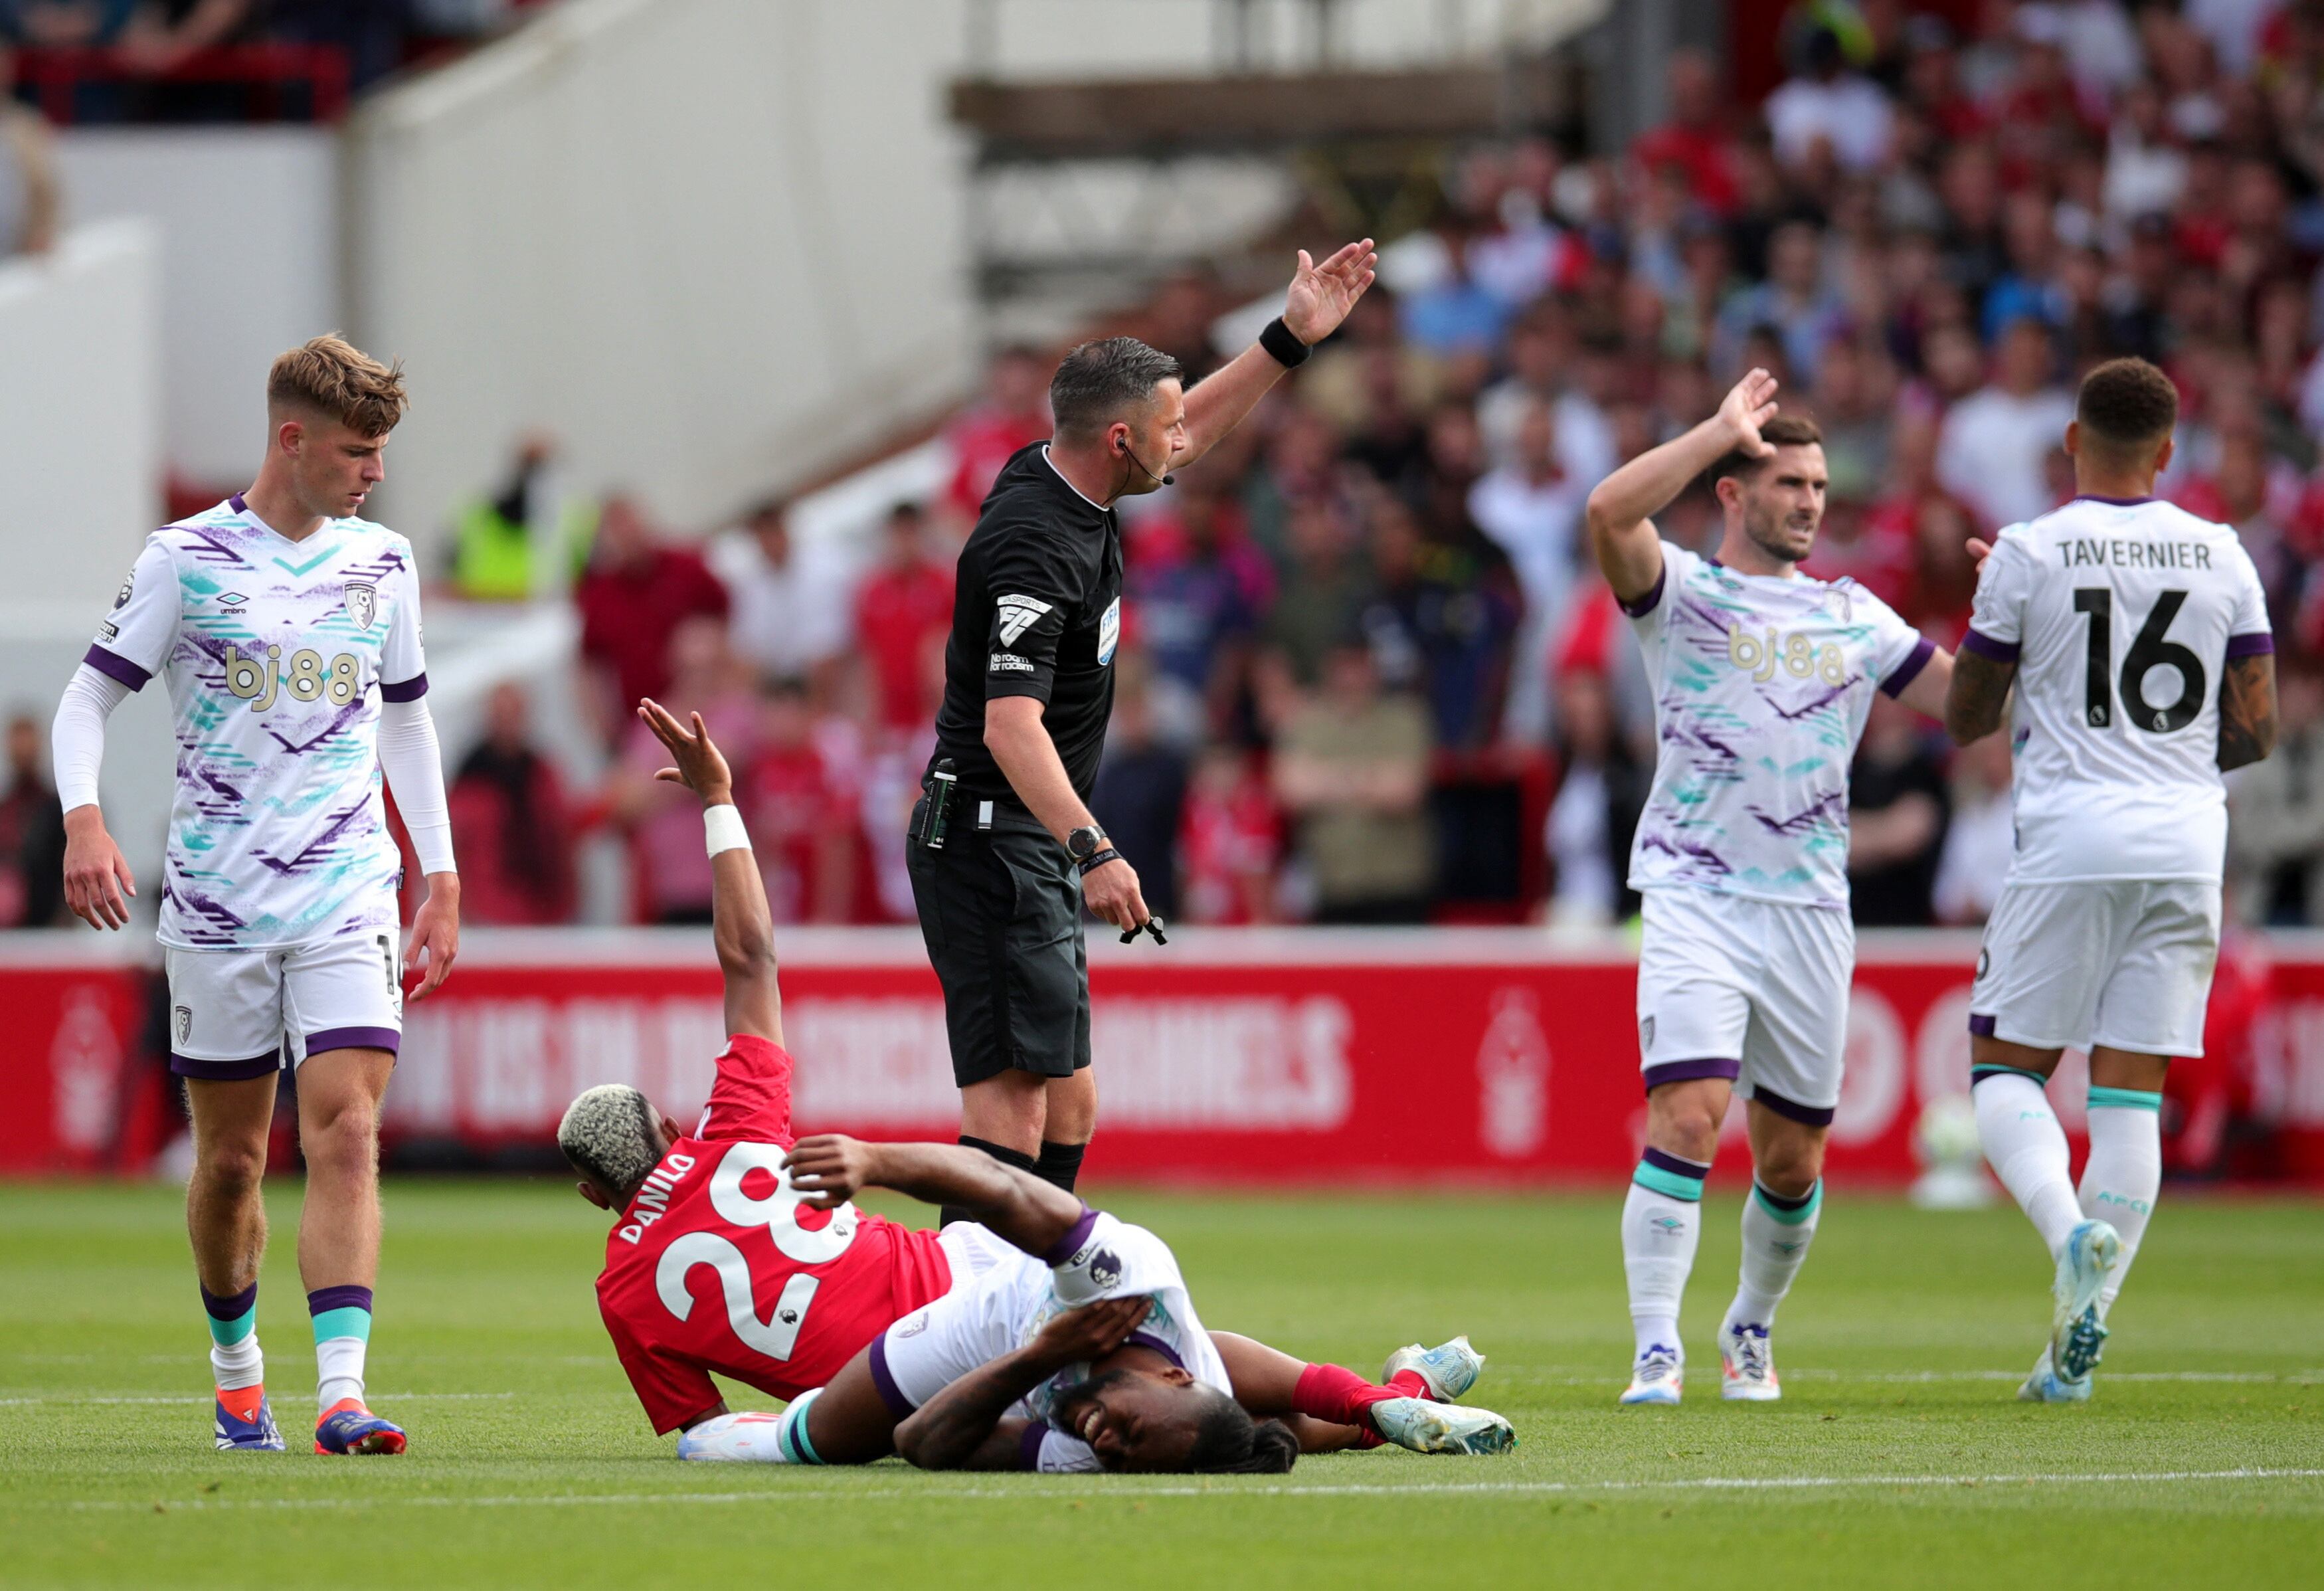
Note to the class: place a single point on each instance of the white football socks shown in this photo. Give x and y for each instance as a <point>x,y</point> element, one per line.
<point>1776,1232</point>
<point>238,1365</point>
<point>338,1371</point>
<point>2027,1151</point>
<point>2123,1175</point>
<point>1662,1224</point>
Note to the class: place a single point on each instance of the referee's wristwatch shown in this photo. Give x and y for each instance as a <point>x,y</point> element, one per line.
<point>1084,843</point>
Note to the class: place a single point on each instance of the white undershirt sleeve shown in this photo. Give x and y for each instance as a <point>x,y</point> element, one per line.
<point>76,741</point>
<point>414,766</point>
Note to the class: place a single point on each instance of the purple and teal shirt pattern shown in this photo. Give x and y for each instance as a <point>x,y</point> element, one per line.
<point>1762,686</point>
<point>276,655</point>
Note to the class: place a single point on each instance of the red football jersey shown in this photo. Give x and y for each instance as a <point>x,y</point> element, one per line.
<point>718,1265</point>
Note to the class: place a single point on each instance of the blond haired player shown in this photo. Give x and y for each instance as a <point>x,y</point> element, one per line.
<point>287,632</point>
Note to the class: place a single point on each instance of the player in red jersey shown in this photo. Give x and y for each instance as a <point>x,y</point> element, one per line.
<point>716,1262</point>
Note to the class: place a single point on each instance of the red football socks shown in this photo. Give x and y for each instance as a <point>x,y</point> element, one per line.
<point>1328,1392</point>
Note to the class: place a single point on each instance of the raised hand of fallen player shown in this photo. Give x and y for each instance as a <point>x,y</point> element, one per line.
<point>1749,404</point>
<point>830,1169</point>
<point>701,766</point>
<point>435,942</point>
<point>1091,1331</point>
<point>1322,295</point>
<point>95,871</point>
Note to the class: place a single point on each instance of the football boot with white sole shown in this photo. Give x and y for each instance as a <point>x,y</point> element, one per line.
<point>2042,1385</point>
<point>1427,1426</point>
<point>1658,1375</point>
<point>1448,1370</point>
<point>2077,1336</point>
<point>1746,1364</point>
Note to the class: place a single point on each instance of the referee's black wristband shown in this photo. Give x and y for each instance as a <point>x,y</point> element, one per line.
<point>1283,344</point>
<point>1099,860</point>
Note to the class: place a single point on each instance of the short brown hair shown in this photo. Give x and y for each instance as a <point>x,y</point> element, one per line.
<point>329,375</point>
<point>1785,431</point>
<point>2127,405</point>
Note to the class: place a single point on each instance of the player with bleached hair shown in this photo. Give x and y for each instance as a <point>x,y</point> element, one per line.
<point>1763,678</point>
<point>286,629</point>
<point>2137,638</point>
<point>734,1250</point>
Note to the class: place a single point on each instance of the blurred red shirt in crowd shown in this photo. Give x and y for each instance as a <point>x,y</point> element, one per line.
<point>903,611</point>
<point>1014,413</point>
<point>801,808</point>
<point>633,598</point>
<point>1229,840</point>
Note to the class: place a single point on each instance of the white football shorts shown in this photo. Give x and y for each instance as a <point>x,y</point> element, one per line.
<point>243,1013</point>
<point>2121,963</point>
<point>1753,991</point>
<point>997,1289</point>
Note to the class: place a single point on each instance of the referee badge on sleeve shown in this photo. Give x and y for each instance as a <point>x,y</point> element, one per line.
<point>1017,615</point>
<point>1109,632</point>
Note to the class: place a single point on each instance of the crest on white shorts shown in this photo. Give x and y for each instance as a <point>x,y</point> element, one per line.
<point>1646,1032</point>
<point>183,1018</point>
<point>363,603</point>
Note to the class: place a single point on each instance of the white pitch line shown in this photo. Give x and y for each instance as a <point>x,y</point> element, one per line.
<point>1916,1377</point>
<point>1131,1489</point>
<point>383,1397</point>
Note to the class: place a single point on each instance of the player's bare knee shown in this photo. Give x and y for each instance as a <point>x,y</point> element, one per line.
<point>230,1169</point>
<point>1683,1120</point>
<point>1790,1170</point>
<point>343,1138</point>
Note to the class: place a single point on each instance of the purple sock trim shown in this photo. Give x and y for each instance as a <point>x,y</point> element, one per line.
<point>884,1380</point>
<point>1075,1235</point>
<point>229,1309</point>
<point>1028,1447</point>
<point>225,1071</point>
<point>386,1039</point>
<point>1783,1201</point>
<point>325,1299</point>
<point>1980,1026</point>
<point>1807,1115</point>
<point>1675,1164</point>
<point>1686,1071</point>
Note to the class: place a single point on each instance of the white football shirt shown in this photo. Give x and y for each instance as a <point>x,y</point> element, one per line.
<point>1762,685</point>
<point>2121,616</point>
<point>276,655</point>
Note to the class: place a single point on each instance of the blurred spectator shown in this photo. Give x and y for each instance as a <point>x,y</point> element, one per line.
<point>1992,450</point>
<point>1232,840</point>
<point>1897,810</point>
<point>1601,789</point>
<point>1353,770</point>
<point>2275,844</point>
<point>633,596</point>
<point>1196,589</point>
<point>31,201</point>
<point>1830,108</point>
<point>65,23</point>
<point>790,612</point>
<point>1981,838</point>
<point>1532,509</point>
<point>511,822</point>
<point>1140,796</point>
<point>1014,413</point>
<point>801,811</point>
<point>1438,626</point>
<point>32,833</point>
<point>497,539</point>
<point>1697,139</point>
<point>902,614</point>
<point>669,869</point>
<point>1324,589</point>
<point>1794,302</point>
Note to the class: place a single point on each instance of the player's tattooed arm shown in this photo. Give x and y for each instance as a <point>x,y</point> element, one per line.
<point>1977,697</point>
<point>1621,508</point>
<point>957,1426</point>
<point>2246,711</point>
<point>830,1168</point>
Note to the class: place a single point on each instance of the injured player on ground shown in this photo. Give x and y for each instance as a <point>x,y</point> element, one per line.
<point>734,1252</point>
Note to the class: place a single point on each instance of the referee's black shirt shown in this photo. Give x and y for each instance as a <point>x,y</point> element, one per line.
<point>1037,611</point>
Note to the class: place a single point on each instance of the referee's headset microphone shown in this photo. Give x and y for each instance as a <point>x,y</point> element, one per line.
<point>1121,446</point>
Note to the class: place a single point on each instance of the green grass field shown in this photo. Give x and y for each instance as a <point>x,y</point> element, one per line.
<point>1897,1456</point>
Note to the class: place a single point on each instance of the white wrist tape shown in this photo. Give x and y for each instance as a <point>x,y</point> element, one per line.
<point>722,829</point>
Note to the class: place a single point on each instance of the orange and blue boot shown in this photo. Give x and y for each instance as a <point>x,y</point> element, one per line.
<point>347,1427</point>
<point>245,1424</point>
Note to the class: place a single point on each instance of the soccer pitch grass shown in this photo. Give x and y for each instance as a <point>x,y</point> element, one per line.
<point>1897,1456</point>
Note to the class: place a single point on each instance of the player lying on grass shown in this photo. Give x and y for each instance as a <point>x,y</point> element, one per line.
<point>717,1262</point>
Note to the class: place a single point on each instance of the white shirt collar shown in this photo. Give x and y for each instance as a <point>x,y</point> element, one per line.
<point>1060,474</point>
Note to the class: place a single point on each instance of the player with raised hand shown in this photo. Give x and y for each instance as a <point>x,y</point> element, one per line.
<point>1762,680</point>
<point>734,1250</point>
<point>287,631</point>
<point>2138,637</point>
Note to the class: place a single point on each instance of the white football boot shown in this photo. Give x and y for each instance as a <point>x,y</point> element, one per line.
<point>1746,1364</point>
<point>1656,1376</point>
<point>2077,1336</point>
<point>1448,1370</point>
<point>1427,1426</point>
<point>2042,1386</point>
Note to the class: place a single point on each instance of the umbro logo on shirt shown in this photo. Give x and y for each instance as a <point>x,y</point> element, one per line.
<point>1017,615</point>
<point>232,599</point>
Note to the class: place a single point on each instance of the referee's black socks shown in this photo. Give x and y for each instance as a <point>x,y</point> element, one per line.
<point>1060,1163</point>
<point>947,1214</point>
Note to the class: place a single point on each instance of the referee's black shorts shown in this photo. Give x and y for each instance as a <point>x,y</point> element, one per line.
<point>1000,909</point>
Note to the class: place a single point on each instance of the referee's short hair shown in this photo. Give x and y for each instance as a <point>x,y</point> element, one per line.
<point>1099,379</point>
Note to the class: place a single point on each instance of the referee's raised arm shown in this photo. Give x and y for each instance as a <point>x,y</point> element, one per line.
<point>1003,850</point>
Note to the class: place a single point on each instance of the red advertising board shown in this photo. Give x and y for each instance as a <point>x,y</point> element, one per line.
<point>1293,1055</point>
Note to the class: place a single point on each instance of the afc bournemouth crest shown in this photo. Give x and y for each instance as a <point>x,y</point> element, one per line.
<point>183,1018</point>
<point>363,603</point>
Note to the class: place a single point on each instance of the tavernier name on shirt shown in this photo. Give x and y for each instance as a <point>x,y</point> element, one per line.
<point>2081,552</point>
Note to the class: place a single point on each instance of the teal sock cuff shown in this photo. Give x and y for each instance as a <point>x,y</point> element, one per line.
<point>2126,1099</point>
<point>1658,1181</point>
<point>226,1333</point>
<point>1977,1074</point>
<point>346,1322</point>
<point>1795,1216</point>
<point>792,1432</point>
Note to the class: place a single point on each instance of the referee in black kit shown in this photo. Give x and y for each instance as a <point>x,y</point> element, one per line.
<point>1002,849</point>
